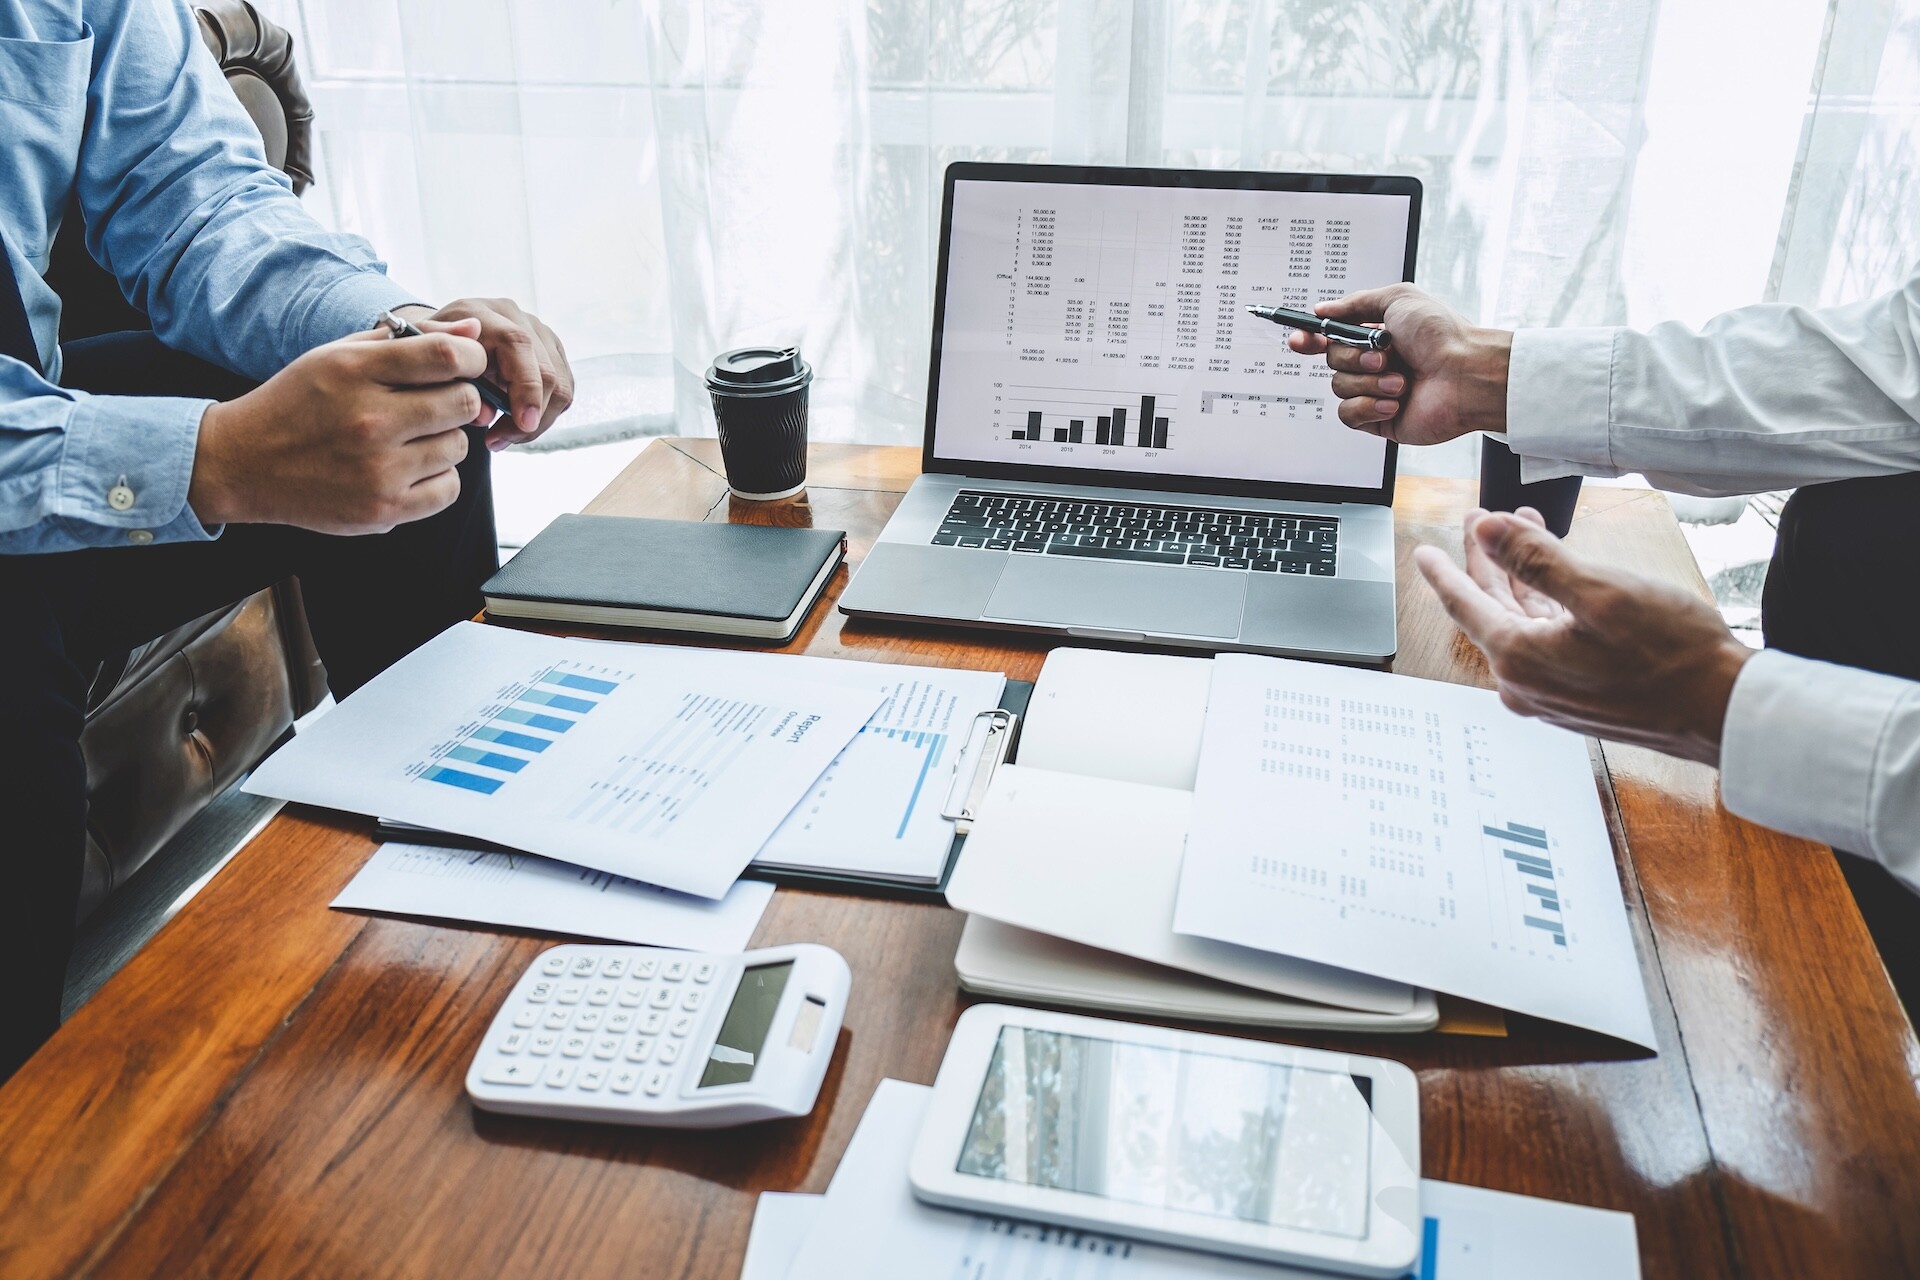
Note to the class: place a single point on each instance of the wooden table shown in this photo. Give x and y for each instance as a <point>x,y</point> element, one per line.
<point>271,1087</point>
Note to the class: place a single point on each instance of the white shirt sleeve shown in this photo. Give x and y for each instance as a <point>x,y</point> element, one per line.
<point>1827,752</point>
<point>1764,397</point>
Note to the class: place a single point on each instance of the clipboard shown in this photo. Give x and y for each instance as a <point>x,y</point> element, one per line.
<point>1001,730</point>
<point>991,739</point>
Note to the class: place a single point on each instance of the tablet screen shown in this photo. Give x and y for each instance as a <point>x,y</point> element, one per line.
<point>1193,1132</point>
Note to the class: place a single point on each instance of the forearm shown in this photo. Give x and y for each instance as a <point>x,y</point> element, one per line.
<point>1760,398</point>
<point>1826,752</point>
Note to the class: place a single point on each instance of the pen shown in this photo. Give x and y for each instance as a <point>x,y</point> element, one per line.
<point>495,398</point>
<point>1352,335</point>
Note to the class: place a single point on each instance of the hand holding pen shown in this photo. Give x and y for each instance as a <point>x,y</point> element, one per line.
<point>1435,378</point>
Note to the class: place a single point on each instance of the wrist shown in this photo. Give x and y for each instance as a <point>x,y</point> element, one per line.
<point>208,493</point>
<point>1483,361</point>
<point>1712,694</point>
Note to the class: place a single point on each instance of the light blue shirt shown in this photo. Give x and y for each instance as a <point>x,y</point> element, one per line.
<point>120,101</point>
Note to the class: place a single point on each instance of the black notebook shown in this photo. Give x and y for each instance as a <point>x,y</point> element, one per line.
<point>672,575</point>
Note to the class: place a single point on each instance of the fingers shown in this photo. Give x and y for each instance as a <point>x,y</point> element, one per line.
<point>1307,344</point>
<point>429,411</point>
<point>1536,558</point>
<point>1364,411</point>
<point>1479,615</point>
<point>1381,386</point>
<point>428,456</point>
<point>423,361</point>
<point>1345,359</point>
<point>429,496</point>
<point>1491,578</point>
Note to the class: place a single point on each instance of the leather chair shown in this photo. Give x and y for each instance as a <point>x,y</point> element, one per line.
<point>175,722</point>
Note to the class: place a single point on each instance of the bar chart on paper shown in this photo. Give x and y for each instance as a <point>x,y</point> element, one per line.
<point>877,810</point>
<point>528,718</point>
<point>1430,836</point>
<point>1527,881</point>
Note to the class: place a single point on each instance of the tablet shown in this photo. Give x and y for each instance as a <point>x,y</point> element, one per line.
<point>1206,1142</point>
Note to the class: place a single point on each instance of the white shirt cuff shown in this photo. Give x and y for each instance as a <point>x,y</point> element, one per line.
<point>1560,401</point>
<point>1800,745</point>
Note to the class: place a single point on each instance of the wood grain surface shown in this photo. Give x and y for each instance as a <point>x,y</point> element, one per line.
<point>273,1088</point>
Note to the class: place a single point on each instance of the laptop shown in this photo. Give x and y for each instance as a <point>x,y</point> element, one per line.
<point>1115,450</point>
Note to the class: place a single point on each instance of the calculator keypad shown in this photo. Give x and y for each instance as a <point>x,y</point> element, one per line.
<point>591,1024</point>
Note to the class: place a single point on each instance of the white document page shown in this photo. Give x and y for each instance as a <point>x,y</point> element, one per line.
<point>870,1227</point>
<point>1098,863</point>
<point>1414,829</point>
<point>526,891</point>
<point>781,1223</point>
<point>670,766</point>
<point>1127,717</point>
<point>876,809</point>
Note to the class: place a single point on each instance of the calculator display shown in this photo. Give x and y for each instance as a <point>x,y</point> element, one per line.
<point>1196,1132</point>
<point>743,1032</point>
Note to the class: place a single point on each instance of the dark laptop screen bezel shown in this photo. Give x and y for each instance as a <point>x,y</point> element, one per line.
<point>1098,175</point>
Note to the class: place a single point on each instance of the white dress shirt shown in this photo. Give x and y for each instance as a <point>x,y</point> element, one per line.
<point>1764,397</point>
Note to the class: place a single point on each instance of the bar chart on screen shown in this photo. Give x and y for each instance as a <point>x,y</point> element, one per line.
<point>528,717</point>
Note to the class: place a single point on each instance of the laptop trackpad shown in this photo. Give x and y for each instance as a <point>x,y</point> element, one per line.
<point>1056,591</point>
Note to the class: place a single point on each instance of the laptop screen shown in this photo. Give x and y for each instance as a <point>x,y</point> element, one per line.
<point>1092,327</point>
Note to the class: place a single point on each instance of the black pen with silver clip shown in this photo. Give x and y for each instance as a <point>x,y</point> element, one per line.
<point>493,397</point>
<point>1352,335</point>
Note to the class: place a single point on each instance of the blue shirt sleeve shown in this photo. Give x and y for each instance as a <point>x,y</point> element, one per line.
<point>92,471</point>
<point>201,233</point>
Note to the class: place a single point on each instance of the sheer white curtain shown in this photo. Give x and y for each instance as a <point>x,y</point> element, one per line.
<point>668,178</point>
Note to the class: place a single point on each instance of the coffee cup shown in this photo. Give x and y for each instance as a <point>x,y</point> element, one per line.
<point>760,405</point>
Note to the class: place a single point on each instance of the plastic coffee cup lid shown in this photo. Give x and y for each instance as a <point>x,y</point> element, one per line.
<point>758,371</point>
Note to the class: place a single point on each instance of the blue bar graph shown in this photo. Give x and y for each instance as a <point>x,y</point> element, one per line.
<point>1430,1249</point>
<point>1530,836</point>
<point>558,701</point>
<point>464,780</point>
<point>552,724</point>
<point>549,703</point>
<point>567,680</point>
<point>508,738</point>
<point>1530,866</point>
<point>935,745</point>
<point>491,759</point>
<point>1548,898</point>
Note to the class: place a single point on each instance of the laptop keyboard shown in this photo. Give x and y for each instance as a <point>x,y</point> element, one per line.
<point>1142,532</point>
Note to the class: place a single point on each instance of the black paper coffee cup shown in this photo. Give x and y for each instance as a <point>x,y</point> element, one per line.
<point>760,403</point>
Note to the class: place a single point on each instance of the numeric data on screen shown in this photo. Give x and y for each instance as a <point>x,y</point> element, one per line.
<point>1105,327</point>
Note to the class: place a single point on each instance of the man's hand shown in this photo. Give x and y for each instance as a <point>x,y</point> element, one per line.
<point>1441,377</point>
<point>354,437</point>
<point>1611,654</point>
<point>524,359</point>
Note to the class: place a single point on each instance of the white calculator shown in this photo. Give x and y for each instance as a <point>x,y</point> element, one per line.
<point>673,1039</point>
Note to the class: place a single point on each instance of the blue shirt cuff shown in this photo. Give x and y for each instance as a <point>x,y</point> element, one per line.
<point>125,468</point>
<point>351,304</point>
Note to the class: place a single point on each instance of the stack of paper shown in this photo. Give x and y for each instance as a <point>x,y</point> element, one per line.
<point>1072,867</point>
<point>1330,838</point>
<point>632,770</point>
<point>869,1227</point>
<point>1413,829</point>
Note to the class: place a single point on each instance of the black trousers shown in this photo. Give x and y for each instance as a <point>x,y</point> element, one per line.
<point>1844,587</point>
<point>370,601</point>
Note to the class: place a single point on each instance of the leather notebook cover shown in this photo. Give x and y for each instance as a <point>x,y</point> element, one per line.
<point>686,567</point>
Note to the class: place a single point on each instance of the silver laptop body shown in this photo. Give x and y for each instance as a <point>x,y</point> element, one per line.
<point>1114,450</point>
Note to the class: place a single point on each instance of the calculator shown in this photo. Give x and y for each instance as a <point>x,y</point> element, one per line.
<point>672,1039</point>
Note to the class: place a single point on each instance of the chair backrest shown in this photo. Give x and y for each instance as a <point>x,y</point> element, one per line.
<point>257,57</point>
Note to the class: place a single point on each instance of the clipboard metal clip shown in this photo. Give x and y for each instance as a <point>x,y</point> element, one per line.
<point>992,731</point>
